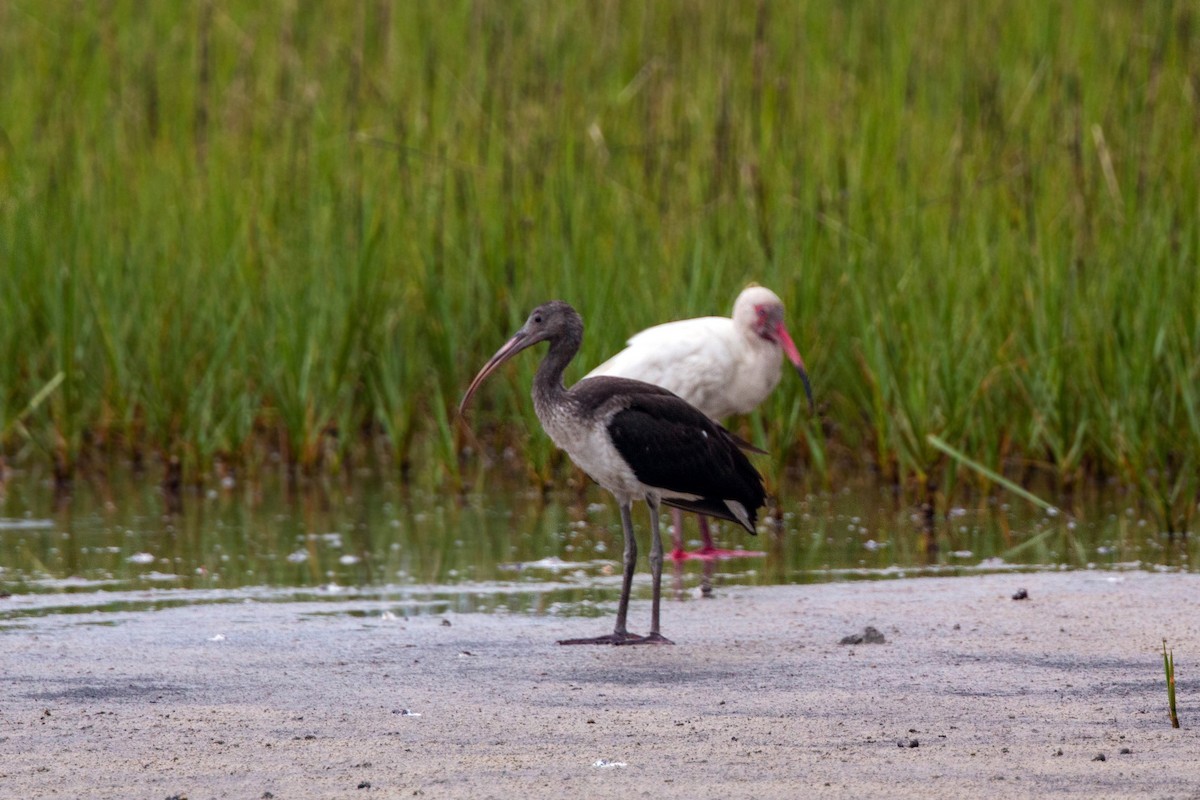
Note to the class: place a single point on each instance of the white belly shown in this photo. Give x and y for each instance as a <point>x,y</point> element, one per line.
<point>590,447</point>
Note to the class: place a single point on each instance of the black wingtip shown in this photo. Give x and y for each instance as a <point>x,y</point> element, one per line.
<point>747,446</point>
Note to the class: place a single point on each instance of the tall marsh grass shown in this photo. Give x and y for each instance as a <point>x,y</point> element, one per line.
<point>250,233</point>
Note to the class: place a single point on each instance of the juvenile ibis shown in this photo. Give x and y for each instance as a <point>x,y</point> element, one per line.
<point>637,440</point>
<point>721,365</point>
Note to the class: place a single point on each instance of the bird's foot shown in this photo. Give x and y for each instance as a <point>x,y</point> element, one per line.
<point>715,554</point>
<point>654,638</point>
<point>612,638</point>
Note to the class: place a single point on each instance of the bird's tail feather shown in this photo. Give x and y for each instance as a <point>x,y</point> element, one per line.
<point>713,508</point>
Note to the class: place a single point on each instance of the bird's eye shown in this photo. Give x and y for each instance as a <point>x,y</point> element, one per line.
<point>537,318</point>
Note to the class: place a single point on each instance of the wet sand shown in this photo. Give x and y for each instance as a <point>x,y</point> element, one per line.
<point>973,694</point>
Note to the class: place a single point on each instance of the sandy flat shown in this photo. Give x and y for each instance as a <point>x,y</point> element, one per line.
<point>972,695</point>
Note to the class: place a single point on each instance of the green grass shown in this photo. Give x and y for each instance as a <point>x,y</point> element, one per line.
<point>248,230</point>
<point>1169,670</point>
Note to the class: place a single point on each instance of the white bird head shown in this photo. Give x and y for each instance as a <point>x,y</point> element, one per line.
<point>759,311</point>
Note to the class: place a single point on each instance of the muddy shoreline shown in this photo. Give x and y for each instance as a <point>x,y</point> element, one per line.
<point>972,694</point>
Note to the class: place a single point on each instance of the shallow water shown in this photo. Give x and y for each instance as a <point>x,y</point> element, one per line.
<point>113,547</point>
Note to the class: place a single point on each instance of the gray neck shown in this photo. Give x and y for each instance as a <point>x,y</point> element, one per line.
<point>548,388</point>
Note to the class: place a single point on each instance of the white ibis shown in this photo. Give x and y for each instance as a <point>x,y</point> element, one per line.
<point>638,441</point>
<point>721,365</point>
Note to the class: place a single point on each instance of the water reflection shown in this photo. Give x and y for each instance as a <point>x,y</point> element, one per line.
<point>506,550</point>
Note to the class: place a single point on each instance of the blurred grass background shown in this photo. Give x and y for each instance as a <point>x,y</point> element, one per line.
<point>254,234</point>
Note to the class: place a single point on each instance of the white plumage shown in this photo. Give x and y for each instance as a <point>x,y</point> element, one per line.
<point>721,365</point>
<point>639,441</point>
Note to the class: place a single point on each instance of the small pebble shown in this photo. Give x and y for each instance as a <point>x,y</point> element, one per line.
<point>1099,757</point>
<point>869,635</point>
<point>1021,594</point>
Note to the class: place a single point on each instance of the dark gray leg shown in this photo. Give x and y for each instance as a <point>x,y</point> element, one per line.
<point>656,564</point>
<point>630,566</point>
<point>620,635</point>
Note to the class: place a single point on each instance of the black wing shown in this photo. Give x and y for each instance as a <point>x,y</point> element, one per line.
<point>671,445</point>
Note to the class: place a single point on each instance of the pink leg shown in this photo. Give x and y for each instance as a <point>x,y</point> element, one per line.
<point>708,549</point>
<point>678,554</point>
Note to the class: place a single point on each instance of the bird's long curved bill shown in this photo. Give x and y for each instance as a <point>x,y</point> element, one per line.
<point>513,346</point>
<point>789,347</point>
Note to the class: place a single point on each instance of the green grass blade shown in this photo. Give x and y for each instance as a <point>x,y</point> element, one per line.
<point>990,474</point>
